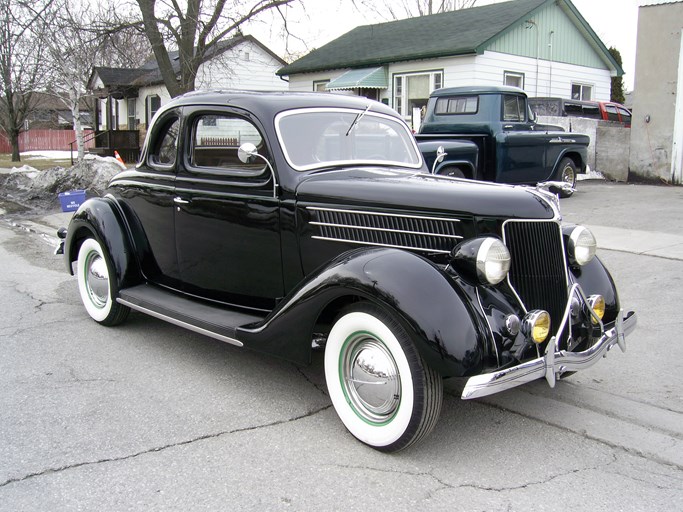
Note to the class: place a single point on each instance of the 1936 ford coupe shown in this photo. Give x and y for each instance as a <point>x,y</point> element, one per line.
<point>279,221</point>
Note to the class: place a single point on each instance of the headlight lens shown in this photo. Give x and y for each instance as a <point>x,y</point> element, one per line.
<point>493,261</point>
<point>597,303</point>
<point>536,325</point>
<point>581,245</point>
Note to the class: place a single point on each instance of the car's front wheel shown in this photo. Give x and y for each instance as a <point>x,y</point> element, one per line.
<point>382,390</point>
<point>95,285</point>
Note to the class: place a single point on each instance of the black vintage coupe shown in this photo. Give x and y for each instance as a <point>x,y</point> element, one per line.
<point>281,221</point>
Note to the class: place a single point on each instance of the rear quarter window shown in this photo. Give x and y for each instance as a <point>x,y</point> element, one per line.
<point>457,105</point>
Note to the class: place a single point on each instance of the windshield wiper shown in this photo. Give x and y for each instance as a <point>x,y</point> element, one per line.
<point>357,119</point>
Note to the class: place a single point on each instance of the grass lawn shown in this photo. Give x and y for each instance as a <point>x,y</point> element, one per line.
<point>37,161</point>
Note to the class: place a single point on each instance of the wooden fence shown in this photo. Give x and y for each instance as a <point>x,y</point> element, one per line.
<point>35,140</point>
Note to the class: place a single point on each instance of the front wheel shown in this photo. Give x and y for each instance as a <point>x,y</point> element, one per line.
<point>95,284</point>
<point>382,390</point>
<point>566,172</point>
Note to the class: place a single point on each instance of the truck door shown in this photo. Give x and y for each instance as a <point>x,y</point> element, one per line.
<point>521,151</point>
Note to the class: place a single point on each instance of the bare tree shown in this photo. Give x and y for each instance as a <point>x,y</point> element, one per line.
<point>400,9</point>
<point>82,38</point>
<point>23,35</point>
<point>195,32</point>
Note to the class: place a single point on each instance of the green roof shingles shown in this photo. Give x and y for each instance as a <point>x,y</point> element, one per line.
<point>452,33</point>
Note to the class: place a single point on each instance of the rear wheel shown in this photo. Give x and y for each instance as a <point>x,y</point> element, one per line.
<point>94,270</point>
<point>382,390</point>
<point>566,172</point>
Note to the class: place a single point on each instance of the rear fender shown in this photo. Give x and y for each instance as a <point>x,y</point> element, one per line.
<point>100,218</point>
<point>448,331</point>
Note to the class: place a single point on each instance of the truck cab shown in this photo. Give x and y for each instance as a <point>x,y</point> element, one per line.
<point>513,147</point>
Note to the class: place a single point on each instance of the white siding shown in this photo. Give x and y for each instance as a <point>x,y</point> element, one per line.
<point>246,66</point>
<point>487,69</point>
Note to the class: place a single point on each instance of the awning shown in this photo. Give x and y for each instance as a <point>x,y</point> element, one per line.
<point>368,78</point>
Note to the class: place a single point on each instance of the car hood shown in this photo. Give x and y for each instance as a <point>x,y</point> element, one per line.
<point>418,191</point>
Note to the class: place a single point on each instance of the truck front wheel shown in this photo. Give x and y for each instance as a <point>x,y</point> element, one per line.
<point>382,390</point>
<point>566,172</point>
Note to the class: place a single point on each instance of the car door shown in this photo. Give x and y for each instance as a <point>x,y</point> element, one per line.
<point>146,197</point>
<point>227,213</point>
<point>522,152</point>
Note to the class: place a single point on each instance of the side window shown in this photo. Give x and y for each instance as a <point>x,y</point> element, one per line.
<point>513,108</point>
<point>216,139</point>
<point>165,145</point>
<point>625,115</point>
<point>612,114</point>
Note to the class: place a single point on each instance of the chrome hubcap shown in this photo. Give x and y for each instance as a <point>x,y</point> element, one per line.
<point>97,280</point>
<point>370,378</point>
<point>568,175</point>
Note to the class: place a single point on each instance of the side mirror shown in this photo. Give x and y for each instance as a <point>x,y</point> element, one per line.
<point>440,155</point>
<point>532,116</point>
<point>246,151</point>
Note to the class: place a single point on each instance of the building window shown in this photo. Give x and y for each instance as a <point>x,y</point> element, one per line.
<point>412,90</point>
<point>319,86</point>
<point>582,92</point>
<point>153,104</point>
<point>131,107</point>
<point>513,79</point>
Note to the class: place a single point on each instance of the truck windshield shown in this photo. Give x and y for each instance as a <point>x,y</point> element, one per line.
<point>320,137</point>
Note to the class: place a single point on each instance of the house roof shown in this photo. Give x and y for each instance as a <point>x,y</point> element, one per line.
<point>460,32</point>
<point>149,74</point>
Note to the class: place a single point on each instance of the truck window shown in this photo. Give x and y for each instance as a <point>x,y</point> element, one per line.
<point>457,105</point>
<point>625,115</point>
<point>612,114</point>
<point>514,108</point>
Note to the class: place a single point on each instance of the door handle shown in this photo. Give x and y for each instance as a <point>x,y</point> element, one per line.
<point>180,200</point>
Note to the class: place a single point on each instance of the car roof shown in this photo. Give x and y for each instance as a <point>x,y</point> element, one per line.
<point>270,103</point>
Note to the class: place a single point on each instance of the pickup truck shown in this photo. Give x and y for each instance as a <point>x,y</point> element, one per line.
<point>290,222</point>
<point>513,147</point>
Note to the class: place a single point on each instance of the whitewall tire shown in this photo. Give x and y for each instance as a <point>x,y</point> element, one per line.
<point>96,285</point>
<point>382,390</point>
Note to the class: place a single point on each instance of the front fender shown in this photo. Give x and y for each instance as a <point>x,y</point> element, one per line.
<point>101,218</point>
<point>594,278</point>
<point>448,330</point>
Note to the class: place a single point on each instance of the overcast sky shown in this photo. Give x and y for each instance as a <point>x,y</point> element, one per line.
<point>614,21</point>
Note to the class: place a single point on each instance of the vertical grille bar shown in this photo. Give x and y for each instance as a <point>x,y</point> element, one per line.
<point>538,272</point>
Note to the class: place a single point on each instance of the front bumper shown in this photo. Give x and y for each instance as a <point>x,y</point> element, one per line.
<point>552,363</point>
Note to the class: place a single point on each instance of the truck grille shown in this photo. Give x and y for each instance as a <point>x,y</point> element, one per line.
<point>538,271</point>
<point>413,232</point>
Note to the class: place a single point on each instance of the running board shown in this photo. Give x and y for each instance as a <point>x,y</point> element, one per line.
<point>200,317</point>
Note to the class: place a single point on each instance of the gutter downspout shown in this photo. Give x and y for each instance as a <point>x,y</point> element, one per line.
<point>677,145</point>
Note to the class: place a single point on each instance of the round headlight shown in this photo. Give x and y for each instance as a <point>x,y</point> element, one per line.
<point>536,325</point>
<point>597,304</point>
<point>493,261</point>
<point>581,245</point>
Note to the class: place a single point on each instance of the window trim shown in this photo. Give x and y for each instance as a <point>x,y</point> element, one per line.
<point>516,74</point>
<point>394,76</point>
<point>166,119</point>
<point>581,86</point>
<point>320,82</point>
<point>191,120</point>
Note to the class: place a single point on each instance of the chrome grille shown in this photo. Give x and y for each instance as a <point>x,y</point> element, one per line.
<point>538,271</point>
<point>419,233</point>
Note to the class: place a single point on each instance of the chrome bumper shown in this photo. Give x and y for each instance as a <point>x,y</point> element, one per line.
<point>552,363</point>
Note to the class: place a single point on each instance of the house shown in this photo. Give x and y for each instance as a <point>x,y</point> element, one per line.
<point>542,46</point>
<point>129,97</point>
<point>51,113</point>
<point>657,124</point>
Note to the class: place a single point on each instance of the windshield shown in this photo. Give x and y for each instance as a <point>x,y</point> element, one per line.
<point>319,137</point>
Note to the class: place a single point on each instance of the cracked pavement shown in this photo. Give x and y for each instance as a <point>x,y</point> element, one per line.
<point>147,416</point>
